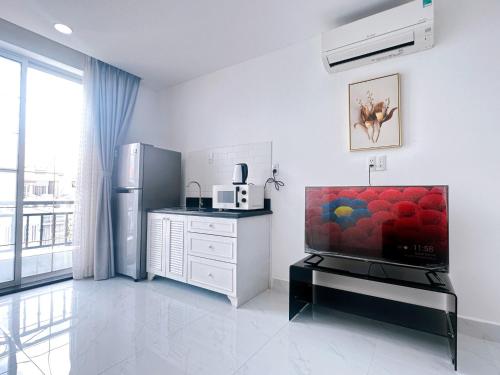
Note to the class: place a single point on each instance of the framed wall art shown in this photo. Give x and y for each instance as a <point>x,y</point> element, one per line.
<point>374,113</point>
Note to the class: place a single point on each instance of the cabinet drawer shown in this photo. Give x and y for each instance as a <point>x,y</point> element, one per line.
<point>212,247</point>
<point>209,225</point>
<point>212,274</point>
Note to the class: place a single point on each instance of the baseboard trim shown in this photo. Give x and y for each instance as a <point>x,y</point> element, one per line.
<point>478,328</point>
<point>280,285</point>
<point>473,327</point>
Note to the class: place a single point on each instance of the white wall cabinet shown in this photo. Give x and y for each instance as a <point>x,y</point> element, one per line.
<point>166,254</point>
<point>229,256</point>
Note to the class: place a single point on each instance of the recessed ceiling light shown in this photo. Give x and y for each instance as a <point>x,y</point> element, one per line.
<point>62,28</point>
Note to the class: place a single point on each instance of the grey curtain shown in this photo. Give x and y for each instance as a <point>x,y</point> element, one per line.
<point>111,94</point>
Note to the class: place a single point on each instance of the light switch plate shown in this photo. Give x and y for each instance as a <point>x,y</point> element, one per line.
<point>381,164</point>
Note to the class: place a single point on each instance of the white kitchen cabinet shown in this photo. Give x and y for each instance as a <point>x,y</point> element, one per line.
<point>166,255</point>
<point>156,245</point>
<point>229,256</point>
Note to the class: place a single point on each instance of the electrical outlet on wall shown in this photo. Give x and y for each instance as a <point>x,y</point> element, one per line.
<point>276,167</point>
<point>372,161</point>
<point>379,162</point>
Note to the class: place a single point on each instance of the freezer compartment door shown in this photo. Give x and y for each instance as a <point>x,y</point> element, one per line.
<point>128,232</point>
<point>129,166</point>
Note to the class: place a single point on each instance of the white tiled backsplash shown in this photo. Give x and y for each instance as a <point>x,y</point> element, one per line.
<point>214,166</point>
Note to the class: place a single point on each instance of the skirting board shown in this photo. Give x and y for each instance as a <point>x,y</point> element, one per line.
<point>479,329</point>
<point>468,326</point>
<point>280,285</point>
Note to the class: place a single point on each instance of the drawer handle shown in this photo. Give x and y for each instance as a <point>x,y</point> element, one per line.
<point>211,225</point>
<point>211,247</point>
<point>210,274</point>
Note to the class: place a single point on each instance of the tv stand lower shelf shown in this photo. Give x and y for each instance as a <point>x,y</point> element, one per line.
<point>431,320</point>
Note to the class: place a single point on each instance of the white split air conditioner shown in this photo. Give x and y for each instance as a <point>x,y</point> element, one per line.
<point>399,31</point>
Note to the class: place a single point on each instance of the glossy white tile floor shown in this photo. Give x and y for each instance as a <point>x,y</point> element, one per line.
<point>163,327</point>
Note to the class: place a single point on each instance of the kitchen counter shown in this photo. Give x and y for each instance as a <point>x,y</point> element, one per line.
<point>212,212</point>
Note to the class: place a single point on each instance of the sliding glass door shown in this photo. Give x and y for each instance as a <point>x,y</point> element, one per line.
<point>10,99</point>
<point>40,114</point>
<point>53,117</point>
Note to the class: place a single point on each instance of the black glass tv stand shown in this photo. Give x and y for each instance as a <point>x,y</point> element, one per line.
<point>432,320</point>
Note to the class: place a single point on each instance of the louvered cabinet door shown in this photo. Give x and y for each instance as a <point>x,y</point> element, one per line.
<point>176,254</point>
<point>156,244</point>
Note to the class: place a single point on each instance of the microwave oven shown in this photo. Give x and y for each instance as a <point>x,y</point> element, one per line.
<point>238,197</point>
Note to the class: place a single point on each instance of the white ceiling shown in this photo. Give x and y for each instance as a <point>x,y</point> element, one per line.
<point>170,41</point>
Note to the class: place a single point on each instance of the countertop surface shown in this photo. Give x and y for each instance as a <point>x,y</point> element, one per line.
<point>212,212</point>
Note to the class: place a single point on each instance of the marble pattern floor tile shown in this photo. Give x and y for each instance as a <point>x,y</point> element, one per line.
<point>13,360</point>
<point>165,327</point>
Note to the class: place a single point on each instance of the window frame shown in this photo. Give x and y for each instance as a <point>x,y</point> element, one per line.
<point>47,65</point>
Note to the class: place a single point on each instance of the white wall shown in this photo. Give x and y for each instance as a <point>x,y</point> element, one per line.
<point>214,166</point>
<point>39,45</point>
<point>449,104</point>
<point>147,124</point>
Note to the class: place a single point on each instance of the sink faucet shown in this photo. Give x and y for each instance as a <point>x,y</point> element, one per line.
<point>200,201</point>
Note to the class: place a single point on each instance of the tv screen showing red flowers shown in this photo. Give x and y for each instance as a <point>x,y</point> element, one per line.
<point>397,224</point>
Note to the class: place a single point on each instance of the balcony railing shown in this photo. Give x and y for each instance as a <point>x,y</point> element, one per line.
<point>47,229</point>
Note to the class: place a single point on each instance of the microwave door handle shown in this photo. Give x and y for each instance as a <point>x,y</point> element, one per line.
<point>236,201</point>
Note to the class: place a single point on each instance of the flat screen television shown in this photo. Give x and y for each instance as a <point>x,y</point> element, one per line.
<point>401,225</point>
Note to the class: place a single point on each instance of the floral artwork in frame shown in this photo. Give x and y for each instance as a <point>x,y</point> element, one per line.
<point>374,113</point>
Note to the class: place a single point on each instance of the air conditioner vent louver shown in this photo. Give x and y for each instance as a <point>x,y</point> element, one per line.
<point>369,54</point>
<point>399,31</point>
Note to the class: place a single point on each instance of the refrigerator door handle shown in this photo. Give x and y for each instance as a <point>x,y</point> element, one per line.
<point>125,190</point>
